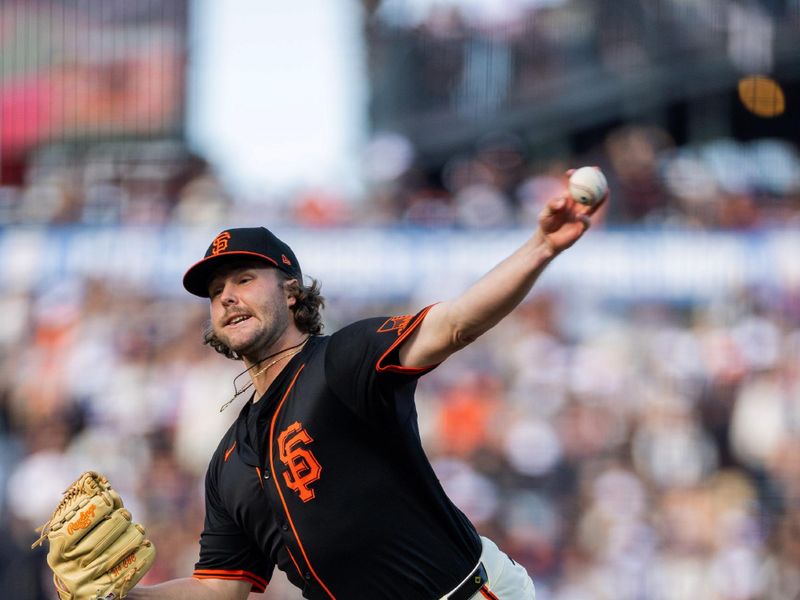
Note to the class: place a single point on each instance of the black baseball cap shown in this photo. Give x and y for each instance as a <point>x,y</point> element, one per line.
<point>247,242</point>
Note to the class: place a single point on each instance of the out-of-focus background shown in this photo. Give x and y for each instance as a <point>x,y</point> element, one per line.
<point>630,432</point>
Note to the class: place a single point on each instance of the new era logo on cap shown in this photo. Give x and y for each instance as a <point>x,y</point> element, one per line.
<point>247,242</point>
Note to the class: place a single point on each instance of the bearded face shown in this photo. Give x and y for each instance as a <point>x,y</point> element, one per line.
<point>250,309</point>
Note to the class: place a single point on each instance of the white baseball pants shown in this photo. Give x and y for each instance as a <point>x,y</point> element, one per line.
<point>507,579</point>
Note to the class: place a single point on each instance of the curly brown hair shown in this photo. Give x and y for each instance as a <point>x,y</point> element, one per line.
<point>307,308</point>
<point>308,304</point>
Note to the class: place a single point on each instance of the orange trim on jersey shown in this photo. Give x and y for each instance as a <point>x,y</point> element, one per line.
<point>486,593</point>
<point>406,332</point>
<point>260,480</point>
<point>228,452</point>
<point>278,487</point>
<point>296,566</point>
<point>259,584</point>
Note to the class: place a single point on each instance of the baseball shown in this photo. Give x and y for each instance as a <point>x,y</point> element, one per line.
<point>588,185</point>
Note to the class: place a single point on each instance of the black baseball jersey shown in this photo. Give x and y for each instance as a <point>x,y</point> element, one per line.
<point>325,477</point>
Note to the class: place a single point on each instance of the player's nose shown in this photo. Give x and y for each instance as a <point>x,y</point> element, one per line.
<point>228,295</point>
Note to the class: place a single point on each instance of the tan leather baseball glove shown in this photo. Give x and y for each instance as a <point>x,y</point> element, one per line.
<point>96,552</point>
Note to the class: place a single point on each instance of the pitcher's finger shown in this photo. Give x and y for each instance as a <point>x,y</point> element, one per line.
<point>593,209</point>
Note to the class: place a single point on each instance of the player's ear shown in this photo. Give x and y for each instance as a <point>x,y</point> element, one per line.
<point>291,288</point>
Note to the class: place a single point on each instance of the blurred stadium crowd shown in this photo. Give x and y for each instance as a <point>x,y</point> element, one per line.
<point>642,449</point>
<point>720,184</point>
<point>481,57</point>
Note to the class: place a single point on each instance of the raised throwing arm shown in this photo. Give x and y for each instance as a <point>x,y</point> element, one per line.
<point>451,325</point>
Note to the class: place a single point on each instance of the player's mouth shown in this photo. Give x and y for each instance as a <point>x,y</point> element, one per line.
<point>235,320</point>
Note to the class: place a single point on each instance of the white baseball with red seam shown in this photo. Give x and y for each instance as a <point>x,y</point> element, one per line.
<point>588,185</point>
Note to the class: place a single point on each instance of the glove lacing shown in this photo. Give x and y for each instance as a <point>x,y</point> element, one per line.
<point>69,494</point>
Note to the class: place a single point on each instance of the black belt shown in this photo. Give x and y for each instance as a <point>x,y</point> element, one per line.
<point>473,583</point>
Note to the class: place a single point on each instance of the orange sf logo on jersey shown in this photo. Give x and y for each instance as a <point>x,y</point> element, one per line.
<point>303,468</point>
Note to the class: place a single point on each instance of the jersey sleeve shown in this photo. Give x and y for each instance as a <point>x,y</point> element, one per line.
<point>362,365</point>
<point>225,552</point>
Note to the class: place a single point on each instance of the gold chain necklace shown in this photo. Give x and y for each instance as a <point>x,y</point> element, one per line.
<point>238,393</point>
<point>265,369</point>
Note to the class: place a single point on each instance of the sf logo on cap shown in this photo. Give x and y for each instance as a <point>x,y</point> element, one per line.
<point>220,243</point>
